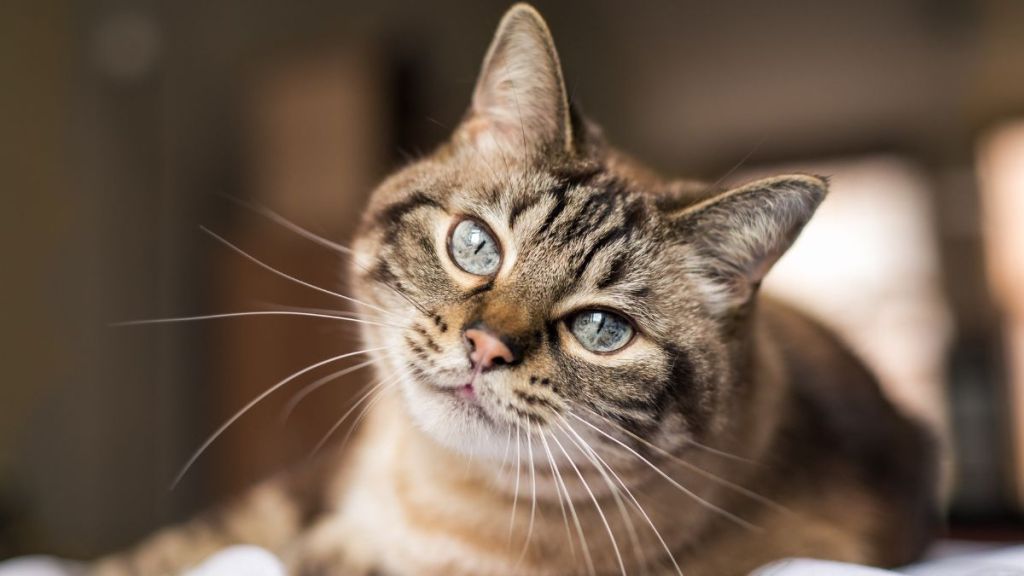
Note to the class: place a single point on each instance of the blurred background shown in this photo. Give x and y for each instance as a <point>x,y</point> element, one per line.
<point>125,123</point>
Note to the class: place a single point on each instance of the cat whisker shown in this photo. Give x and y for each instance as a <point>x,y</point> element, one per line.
<point>597,504</point>
<point>299,396</point>
<point>515,495</point>
<point>494,174</point>
<point>376,390</point>
<point>277,218</point>
<point>216,434</point>
<point>560,483</point>
<point>364,394</point>
<point>533,492</point>
<point>369,406</point>
<point>600,466</point>
<point>636,503</point>
<point>739,164</point>
<point>504,457</point>
<point>287,276</point>
<point>519,111</point>
<point>558,492</point>
<point>696,469</point>
<point>200,317</point>
<point>370,315</point>
<point>672,481</point>
<point>722,453</point>
<point>318,239</point>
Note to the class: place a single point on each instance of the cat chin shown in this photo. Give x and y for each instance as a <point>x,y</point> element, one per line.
<point>460,426</point>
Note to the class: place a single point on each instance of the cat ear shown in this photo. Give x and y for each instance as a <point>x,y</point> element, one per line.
<point>520,103</point>
<point>738,235</point>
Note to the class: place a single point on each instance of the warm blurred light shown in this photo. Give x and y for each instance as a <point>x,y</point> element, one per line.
<point>867,265</point>
<point>1001,175</point>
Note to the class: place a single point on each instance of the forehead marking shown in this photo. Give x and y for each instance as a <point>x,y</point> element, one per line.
<point>392,214</point>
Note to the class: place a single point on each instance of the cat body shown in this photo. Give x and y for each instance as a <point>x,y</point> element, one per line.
<point>576,374</point>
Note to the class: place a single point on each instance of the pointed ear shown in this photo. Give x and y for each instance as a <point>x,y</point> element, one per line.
<point>520,103</point>
<point>738,235</point>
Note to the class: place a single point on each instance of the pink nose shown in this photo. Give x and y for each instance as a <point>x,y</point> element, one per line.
<point>486,350</point>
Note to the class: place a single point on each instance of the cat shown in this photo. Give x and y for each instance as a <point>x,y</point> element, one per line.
<point>577,375</point>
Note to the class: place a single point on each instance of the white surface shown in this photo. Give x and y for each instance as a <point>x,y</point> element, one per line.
<point>233,561</point>
<point>804,567</point>
<point>38,566</point>
<point>253,561</point>
<point>248,560</point>
<point>1002,562</point>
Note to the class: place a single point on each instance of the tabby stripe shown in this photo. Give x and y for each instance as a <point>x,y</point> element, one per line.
<point>689,392</point>
<point>552,333</point>
<point>521,207</point>
<point>382,272</point>
<point>608,238</point>
<point>534,400</point>
<point>588,217</point>
<point>393,213</point>
<point>560,201</point>
<point>634,214</point>
<point>615,273</point>
<point>427,339</point>
<point>478,290</point>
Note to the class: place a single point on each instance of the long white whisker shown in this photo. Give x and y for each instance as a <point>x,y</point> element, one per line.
<point>722,453</point>
<point>698,470</point>
<point>292,226</point>
<point>636,503</point>
<point>365,393</point>
<point>368,315</point>
<point>515,496</point>
<point>216,434</point>
<point>673,481</point>
<point>299,396</point>
<point>533,491</point>
<point>558,492</point>
<point>600,465</point>
<point>597,505</point>
<point>287,276</point>
<point>504,457</point>
<point>572,508</point>
<point>288,224</point>
<point>369,406</point>
<point>375,391</point>
<point>200,317</point>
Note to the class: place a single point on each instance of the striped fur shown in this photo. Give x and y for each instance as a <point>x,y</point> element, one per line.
<point>633,443</point>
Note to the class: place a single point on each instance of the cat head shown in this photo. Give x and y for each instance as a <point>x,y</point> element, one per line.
<point>531,273</point>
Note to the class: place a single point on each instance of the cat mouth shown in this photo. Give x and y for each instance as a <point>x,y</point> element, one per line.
<point>464,399</point>
<point>466,392</point>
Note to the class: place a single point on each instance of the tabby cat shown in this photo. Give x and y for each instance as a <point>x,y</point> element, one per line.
<point>577,375</point>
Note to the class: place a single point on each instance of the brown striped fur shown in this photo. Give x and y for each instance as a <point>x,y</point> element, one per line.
<point>769,438</point>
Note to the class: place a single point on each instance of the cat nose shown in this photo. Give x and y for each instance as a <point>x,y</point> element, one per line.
<point>486,350</point>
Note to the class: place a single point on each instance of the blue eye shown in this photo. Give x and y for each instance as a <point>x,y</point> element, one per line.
<point>601,331</point>
<point>473,248</point>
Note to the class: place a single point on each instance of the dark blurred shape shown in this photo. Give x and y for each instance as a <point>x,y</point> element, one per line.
<point>1001,175</point>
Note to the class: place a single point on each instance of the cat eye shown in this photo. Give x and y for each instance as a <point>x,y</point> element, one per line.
<point>601,331</point>
<point>473,248</point>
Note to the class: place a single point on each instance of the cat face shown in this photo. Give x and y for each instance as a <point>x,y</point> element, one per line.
<point>531,274</point>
